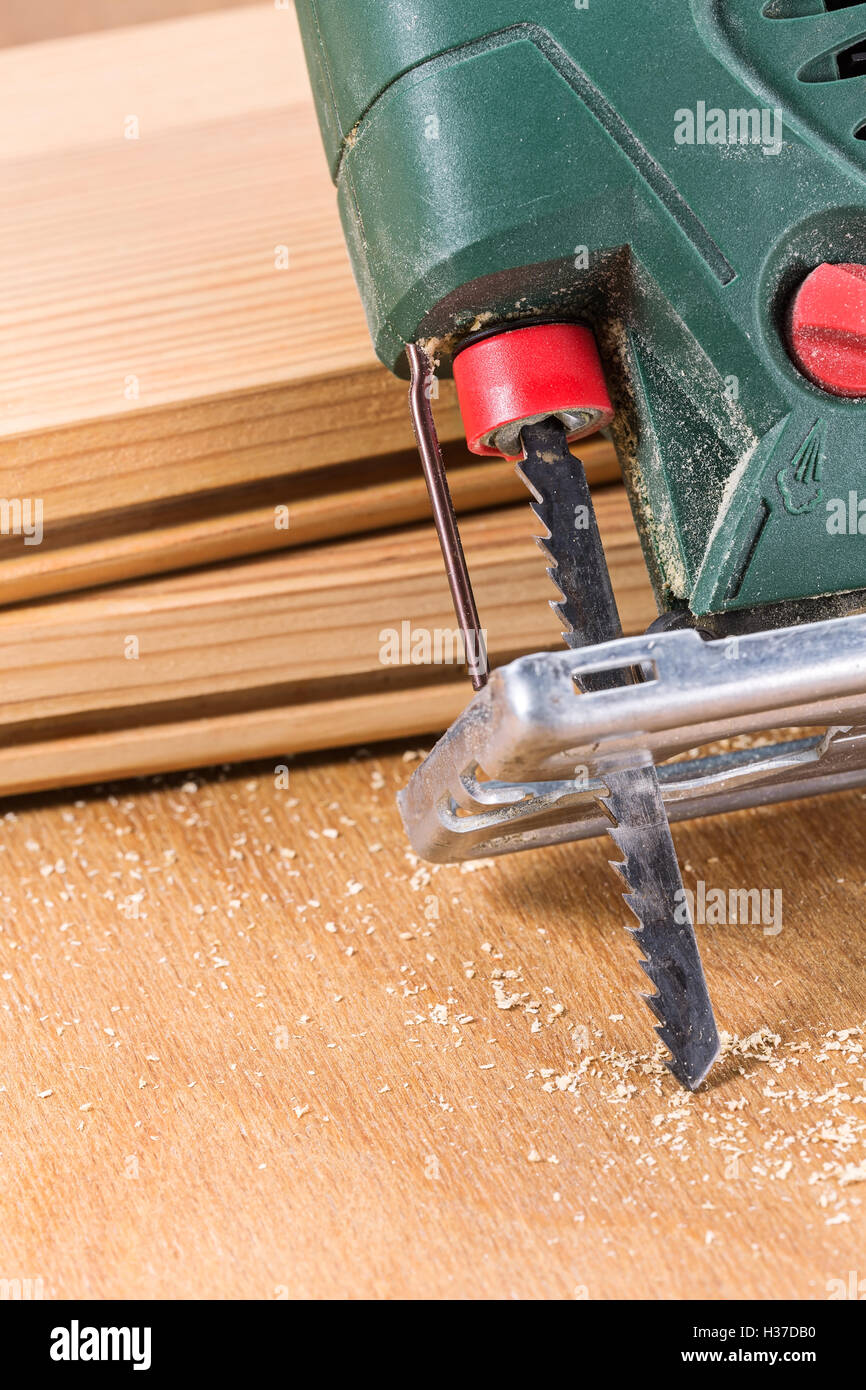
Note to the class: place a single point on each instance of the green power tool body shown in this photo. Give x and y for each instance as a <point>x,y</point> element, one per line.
<point>653,217</point>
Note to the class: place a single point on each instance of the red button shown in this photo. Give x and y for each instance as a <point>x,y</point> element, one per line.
<point>828,328</point>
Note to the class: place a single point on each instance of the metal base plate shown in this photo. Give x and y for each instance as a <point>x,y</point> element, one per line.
<point>525,762</point>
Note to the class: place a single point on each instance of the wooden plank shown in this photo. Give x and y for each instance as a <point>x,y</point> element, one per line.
<point>150,347</point>
<point>305,727</point>
<point>260,1106</point>
<point>311,615</point>
<point>253,657</point>
<point>372,495</point>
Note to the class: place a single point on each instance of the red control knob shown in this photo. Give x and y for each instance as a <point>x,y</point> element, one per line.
<point>522,374</point>
<point>828,328</point>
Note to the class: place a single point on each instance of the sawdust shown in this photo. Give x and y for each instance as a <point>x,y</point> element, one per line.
<point>438,347</point>
<point>810,1132</point>
<point>739,742</point>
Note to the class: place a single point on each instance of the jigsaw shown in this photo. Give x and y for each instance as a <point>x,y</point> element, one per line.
<point>650,219</point>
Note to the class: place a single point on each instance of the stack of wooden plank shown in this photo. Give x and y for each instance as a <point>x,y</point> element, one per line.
<point>230,510</point>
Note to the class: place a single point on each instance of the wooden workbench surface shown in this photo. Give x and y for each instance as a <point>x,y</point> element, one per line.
<point>251,1048</point>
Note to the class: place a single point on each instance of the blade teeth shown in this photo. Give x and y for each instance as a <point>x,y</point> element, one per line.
<point>622,864</point>
<point>685,1029</point>
<point>653,1004</point>
<point>544,512</point>
<point>546,534</point>
<point>559,605</point>
<point>634,901</point>
<point>537,499</point>
<point>541,541</point>
<point>616,832</point>
<point>560,611</point>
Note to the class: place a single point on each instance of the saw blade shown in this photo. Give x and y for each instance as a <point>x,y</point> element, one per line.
<point>665,933</point>
<point>562,502</point>
<point>639,828</point>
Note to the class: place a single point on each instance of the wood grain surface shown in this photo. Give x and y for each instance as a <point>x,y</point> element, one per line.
<point>178,317</point>
<point>251,1048</point>
<point>24,22</point>
<point>228,523</point>
<point>279,653</point>
<point>153,252</point>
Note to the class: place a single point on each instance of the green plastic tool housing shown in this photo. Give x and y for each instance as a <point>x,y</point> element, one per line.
<point>667,171</point>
